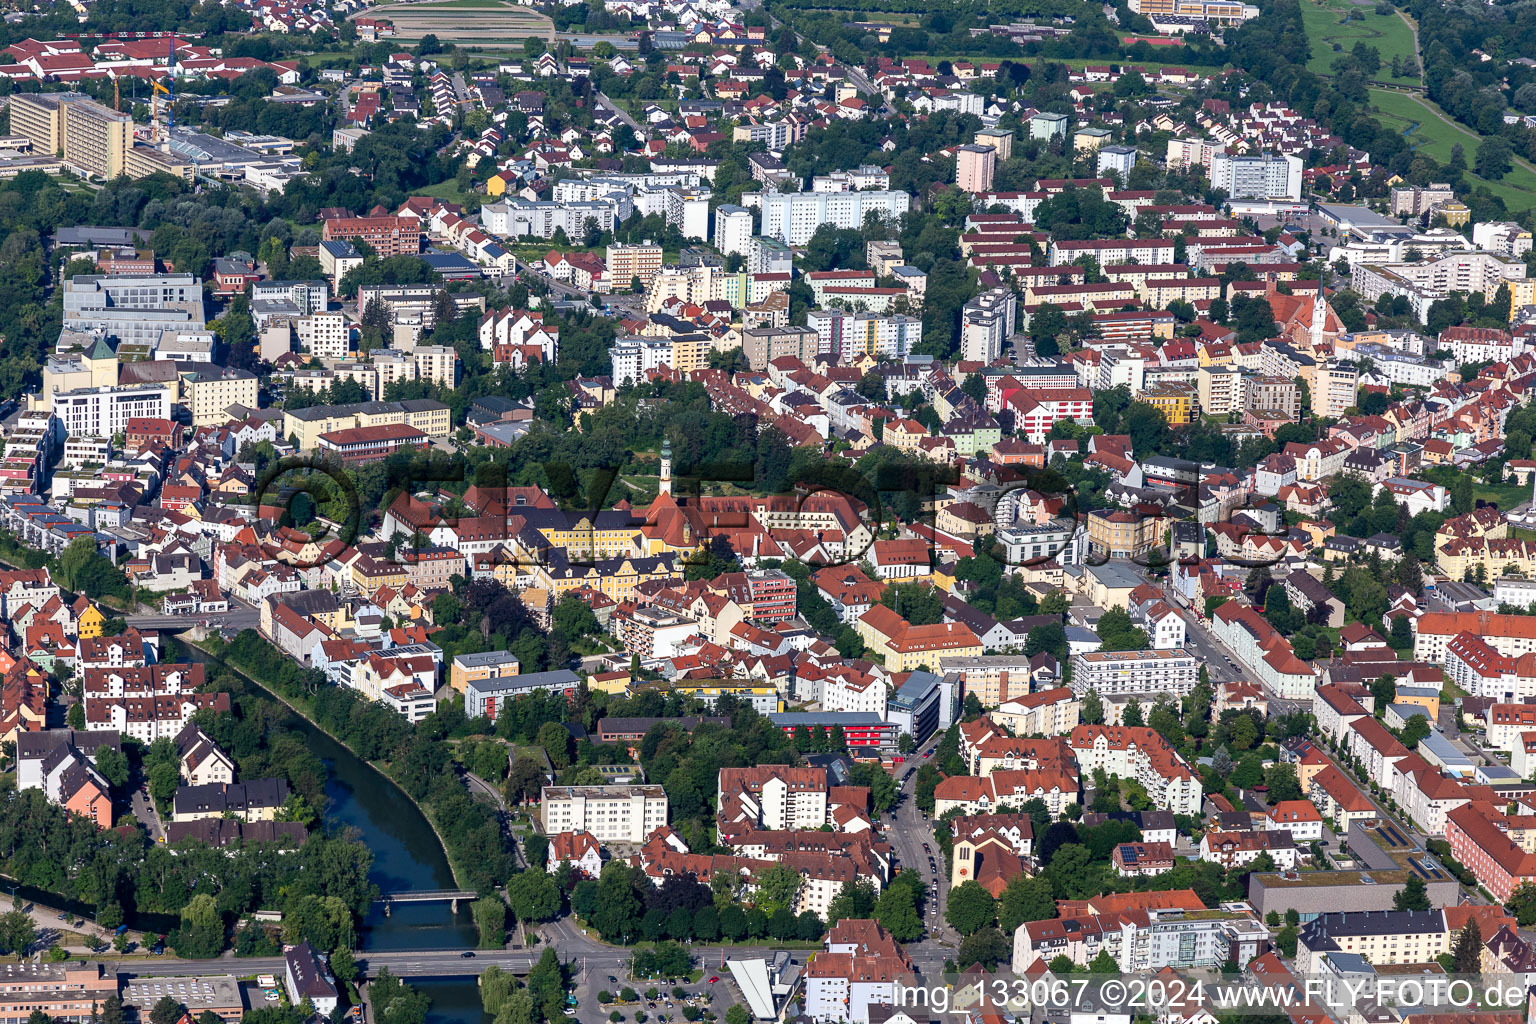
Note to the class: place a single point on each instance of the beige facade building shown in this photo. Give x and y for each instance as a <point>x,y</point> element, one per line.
<point>437,363</point>
<point>210,392</point>
<point>1273,394</point>
<point>627,262</point>
<point>974,167</point>
<point>39,117</point>
<point>1334,388</point>
<point>429,417</point>
<point>1219,389</point>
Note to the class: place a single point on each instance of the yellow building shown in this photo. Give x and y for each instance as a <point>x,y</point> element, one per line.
<point>1175,401</point>
<point>40,118</point>
<point>615,578</point>
<point>921,646</point>
<point>430,417</point>
<point>1122,534</point>
<point>90,622</point>
<point>142,161</point>
<point>487,665</point>
<point>1456,213</point>
<point>371,574</point>
<point>1522,292</point>
<point>612,683</point>
<point>95,139</point>
<point>210,392</point>
<point>601,535</point>
<point>765,698</point>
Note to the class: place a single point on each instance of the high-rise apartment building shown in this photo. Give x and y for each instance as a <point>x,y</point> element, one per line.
<point>986,322</point>
<point>627,262</point>
<point>974,167</point>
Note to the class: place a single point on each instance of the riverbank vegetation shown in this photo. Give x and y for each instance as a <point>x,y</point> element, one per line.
<point>419,759</point>
<point>125,876</point>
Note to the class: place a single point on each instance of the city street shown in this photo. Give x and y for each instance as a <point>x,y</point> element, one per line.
<point>909,832</point>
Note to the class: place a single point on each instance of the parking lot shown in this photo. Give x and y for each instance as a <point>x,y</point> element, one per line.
<point>658,1001</point>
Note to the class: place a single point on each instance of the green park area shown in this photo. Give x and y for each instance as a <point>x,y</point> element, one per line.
<point>1433,133</point>
<point>1335,26</point>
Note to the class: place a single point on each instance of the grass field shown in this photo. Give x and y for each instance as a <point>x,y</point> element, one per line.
<point>1326,27</point>
<point>486,24</point>
<point>1435,134</point>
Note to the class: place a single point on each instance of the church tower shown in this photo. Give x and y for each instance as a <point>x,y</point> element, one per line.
<point>666,468</point>
<point>1319,318</point>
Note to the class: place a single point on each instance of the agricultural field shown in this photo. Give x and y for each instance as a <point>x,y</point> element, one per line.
<point>1435,134</point>
<point>481,24</point>
<point>1343,23</point>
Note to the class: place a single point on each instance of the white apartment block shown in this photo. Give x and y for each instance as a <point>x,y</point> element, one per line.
<point>1123,673</point>
<point>733,229</point>
<point>613,814</point>
<point>986,322</point>
<point>848,337</point>
<point>793,217</point>
<point>1425,282</point>
<point>102,412</point>
<point>1503,237</point>
<point>688,211</point>
<point>1263,176</point>
<point>324,335</point>
<point>774,797</point>
<point>1184,153</point>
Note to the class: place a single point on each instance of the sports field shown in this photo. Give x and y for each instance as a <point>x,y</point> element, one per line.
<point>1433,133</point>
<point>1343,23</point>
<point>481,24</point>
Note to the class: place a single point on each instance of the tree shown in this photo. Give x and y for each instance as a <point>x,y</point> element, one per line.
<point>1415,730</point>
<point>1493,158</point>
<point>557,743</point>
<point>76,716</point>
<point>17,932</point>
<point>1093,708</point>
<point>201,935</point>
<point>776,888</point>
<point>343,965</point>
<point>896,911</point>
<point>1383,692</point>
<point>854,899</point>
<point>84,569</point>
<point>534,895</point>
<point>1103,962</point>
<point>112,765</point>
<point>1282,783</point>
<point>616,910</point>
<point>167,1010</point>
<point>491,919</point>
<point>1467,951</point>
<point>971,908</point>
<point>737,1015</point>
<point>1522,904</point>
<point>1027,898</point>
<point>1414,896</point>
<point>987,947</point>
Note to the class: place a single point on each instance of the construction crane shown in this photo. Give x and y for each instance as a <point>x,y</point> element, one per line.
<point>155,114</point>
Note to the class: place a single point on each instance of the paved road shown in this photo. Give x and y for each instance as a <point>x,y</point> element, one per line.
<point>908,832</point>
<point>620,111</point>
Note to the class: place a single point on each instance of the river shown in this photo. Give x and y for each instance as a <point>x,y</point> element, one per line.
<point>406,856</point>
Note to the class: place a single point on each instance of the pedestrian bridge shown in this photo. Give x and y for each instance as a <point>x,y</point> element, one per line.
<point>450,896</point>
